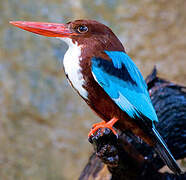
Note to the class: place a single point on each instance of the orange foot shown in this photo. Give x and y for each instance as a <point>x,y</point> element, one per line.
<point>103,124</point>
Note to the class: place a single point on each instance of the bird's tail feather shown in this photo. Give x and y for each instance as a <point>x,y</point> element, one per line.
<point>163,151</point>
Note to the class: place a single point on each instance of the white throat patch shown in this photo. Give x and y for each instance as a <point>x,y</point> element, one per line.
<point>72,66</point>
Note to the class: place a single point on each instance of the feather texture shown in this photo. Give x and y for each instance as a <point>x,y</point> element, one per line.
<point>163,151</point>
<point>123,82</point>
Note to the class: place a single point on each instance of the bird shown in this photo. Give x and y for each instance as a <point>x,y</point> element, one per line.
<point>102,73</point>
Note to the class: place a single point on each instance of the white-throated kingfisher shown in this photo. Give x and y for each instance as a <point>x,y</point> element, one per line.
<point>101,72</point>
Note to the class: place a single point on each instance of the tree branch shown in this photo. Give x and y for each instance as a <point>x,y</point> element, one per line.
<point>127,157</point>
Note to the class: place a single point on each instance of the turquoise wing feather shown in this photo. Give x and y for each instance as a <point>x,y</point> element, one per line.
<point>123,82</point>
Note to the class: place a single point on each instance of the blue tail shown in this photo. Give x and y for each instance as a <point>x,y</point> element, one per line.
<point>163,151</point>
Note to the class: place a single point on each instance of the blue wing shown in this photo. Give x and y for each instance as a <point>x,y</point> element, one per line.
<point>123,82</point>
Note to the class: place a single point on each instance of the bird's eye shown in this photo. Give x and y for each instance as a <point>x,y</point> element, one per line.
<point>82,29</point>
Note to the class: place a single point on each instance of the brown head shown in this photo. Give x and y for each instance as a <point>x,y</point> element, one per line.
<point>94,36</point>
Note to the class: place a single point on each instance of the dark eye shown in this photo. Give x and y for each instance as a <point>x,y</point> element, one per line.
<point>82,29</point>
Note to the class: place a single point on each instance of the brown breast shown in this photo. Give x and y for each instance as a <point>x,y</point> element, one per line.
<point>100,102</point>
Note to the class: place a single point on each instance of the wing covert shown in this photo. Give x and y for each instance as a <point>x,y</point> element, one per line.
<point>123,82</point>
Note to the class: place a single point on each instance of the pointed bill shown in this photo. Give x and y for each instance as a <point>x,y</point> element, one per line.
<point>45,29</point>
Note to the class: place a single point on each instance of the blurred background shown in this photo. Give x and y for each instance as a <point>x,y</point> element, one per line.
<point>43,123</point>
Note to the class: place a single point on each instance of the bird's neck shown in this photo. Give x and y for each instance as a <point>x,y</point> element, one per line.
<point>77,61</point>
<point>71,62</point>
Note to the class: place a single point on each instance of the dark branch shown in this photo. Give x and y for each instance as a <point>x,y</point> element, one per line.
<point>128,158</point>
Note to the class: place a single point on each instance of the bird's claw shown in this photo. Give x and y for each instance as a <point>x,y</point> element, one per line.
<point>103,125</point>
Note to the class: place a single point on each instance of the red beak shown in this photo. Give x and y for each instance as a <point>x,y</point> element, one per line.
<point>45,29</point>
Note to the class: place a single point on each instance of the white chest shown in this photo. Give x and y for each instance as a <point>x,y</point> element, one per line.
<point>72,67</point>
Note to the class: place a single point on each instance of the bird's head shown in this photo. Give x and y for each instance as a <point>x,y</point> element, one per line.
<point>89,34</point>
